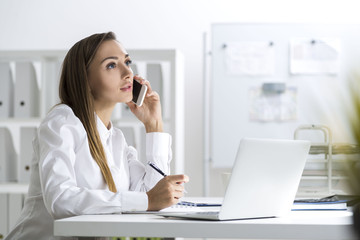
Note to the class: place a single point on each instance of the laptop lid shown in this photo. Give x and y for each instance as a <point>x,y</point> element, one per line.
<point>265,178</point>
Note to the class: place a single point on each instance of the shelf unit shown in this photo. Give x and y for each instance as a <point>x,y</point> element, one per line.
<point>325,175</point>
<point>31,81</point>
<point>12,197</point>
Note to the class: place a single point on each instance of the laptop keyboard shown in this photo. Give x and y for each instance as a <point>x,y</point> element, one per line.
<point>210,213</point>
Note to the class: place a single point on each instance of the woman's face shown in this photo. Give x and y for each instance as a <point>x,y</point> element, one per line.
<point>110,75</point>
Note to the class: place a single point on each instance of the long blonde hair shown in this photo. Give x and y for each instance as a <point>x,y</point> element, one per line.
<point>74,91</point>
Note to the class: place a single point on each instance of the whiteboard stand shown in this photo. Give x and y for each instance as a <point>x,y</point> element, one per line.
<point>329,149</point>
<point>206,116</point>
<point>327,142</point>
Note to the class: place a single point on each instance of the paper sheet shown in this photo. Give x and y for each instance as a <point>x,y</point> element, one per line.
<point>250,58</point>
<point>314,56</point>
<point>273,107</point>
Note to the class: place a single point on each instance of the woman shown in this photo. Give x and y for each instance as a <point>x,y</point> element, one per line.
<point>81,163</point>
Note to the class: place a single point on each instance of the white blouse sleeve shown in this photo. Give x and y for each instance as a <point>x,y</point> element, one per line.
<point>59,136</point>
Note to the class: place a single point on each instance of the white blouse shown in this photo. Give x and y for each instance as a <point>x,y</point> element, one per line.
<point>66,181</point>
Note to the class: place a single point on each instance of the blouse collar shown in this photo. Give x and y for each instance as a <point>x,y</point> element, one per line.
<point>102,129</point>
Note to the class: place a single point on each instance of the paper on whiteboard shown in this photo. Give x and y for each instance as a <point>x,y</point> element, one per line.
<point>275,107</point>
<point>250,58</point>
<point>314,56</point>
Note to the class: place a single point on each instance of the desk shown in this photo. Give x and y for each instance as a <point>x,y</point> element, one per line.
<point>330,225</point>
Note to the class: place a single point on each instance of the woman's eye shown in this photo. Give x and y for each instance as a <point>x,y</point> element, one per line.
<point>111,66</point>
<point>128,62</point>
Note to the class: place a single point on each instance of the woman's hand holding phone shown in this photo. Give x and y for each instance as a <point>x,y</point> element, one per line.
<point>150,110</point>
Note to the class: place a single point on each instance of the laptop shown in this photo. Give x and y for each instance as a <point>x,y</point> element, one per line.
<point>263,183</point>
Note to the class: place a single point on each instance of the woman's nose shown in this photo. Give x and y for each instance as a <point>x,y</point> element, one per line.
<point>127,74</point>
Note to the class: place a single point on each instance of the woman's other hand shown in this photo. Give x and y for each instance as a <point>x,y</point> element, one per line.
<point>166,192</point>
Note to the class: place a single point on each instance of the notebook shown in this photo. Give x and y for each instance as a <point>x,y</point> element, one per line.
<point>263,183</point>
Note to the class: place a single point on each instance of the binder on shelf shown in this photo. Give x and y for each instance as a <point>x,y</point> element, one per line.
<point>26,103</point>
<point>6,91</point>
<point>3,215</point>
<point>27,134</point>
<point>159,75</point>
<point>52,72</point>
<point>155,76</point>
<point>15,203</point>
<point>166,94</point>
<point>8,157</point>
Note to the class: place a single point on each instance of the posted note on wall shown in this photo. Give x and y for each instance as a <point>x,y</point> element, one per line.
<point>314,56</point>
<point>273,107</point>
<point>250,58</point>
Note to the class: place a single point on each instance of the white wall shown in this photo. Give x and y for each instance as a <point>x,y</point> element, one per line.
<point>58,24</point>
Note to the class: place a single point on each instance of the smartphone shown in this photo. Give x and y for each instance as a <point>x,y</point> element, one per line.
<point>139,91</point>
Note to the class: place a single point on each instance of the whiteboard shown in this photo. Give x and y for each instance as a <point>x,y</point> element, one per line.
<point>316,95</point>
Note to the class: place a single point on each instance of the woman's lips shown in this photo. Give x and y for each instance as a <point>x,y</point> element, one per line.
<point>126,88</point>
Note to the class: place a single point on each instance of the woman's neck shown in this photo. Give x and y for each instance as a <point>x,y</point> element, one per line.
<point>104,113</point>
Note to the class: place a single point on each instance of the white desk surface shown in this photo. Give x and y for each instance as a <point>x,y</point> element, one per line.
<point>328,225</point>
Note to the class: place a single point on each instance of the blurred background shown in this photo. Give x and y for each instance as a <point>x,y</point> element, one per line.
<point>160,24</point>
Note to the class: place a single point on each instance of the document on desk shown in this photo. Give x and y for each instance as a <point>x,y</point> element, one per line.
<point>184,206</point>
<point>318,206</point>
<point>327,203</point>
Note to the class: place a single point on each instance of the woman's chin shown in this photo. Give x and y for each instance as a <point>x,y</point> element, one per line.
<point>126,100</point>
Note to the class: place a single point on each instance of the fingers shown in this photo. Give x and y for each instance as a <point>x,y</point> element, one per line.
<point>131,105</point>
<point>178,191</point>
<point>181,178</point>
<point>179,188</point>
<point>176,182</point>
<point>166,192</point>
